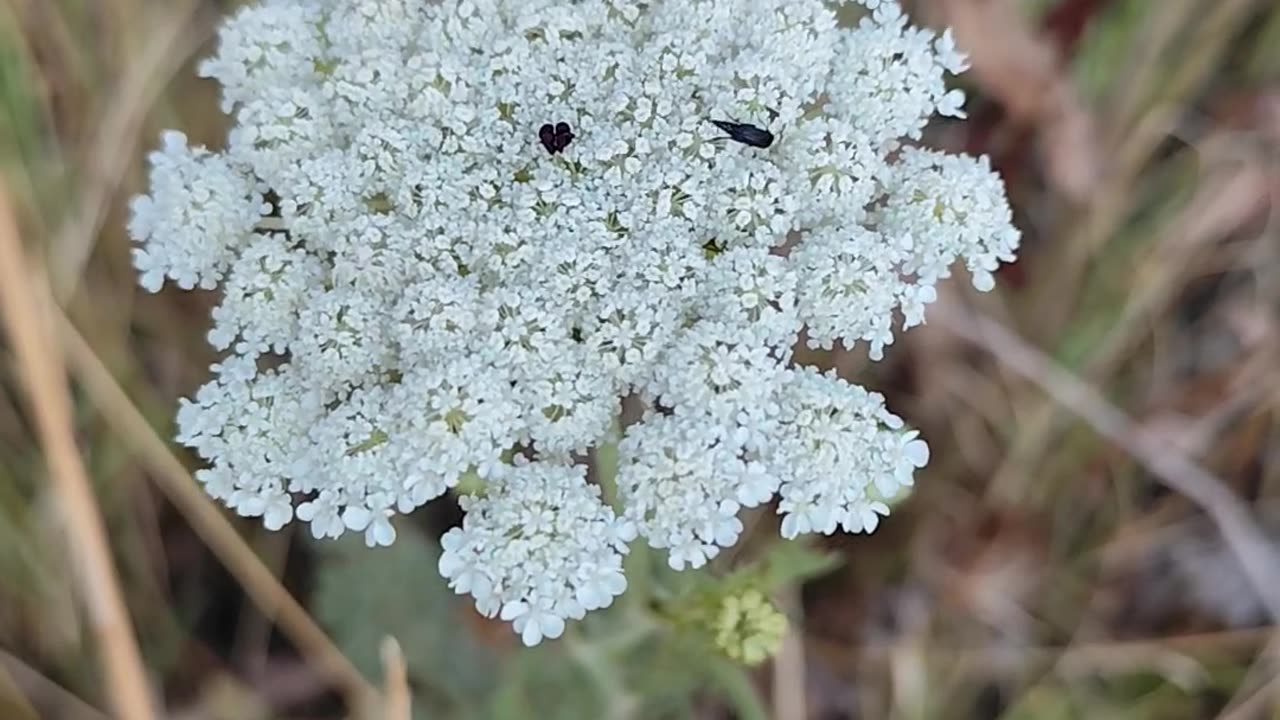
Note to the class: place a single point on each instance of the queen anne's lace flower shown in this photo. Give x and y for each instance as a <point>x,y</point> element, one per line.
<point>415,289</point>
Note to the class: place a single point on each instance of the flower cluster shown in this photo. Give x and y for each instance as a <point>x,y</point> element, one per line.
<point>748,628</point>
<point>418,285</point>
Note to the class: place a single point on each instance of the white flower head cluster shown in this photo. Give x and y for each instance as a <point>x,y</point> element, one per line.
<point>418,285</point>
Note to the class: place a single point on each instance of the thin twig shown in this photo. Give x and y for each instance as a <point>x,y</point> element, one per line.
<point>176,36</point>
<point>1228,199</point>
<point>788,665</point>
<point>14,700</point>
<point>1166,463</point>
<point>26,312</point>
<point>1263,693</point>
<point>395,692</point>
<point>46,693</point>
<point>1214,641</point>
<point>1129,153</point>
<point>262,587</point>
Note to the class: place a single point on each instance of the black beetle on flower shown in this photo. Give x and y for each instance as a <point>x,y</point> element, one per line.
<point>744,133</point>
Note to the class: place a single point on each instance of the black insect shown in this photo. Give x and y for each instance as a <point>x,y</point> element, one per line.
<point>555,138</point>
<point>744,133</point>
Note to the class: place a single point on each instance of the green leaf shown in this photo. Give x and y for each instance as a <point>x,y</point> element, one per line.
<point>364,594</point>
<point>793,562</point>
<point>544,683</point>
<point>736,688</point>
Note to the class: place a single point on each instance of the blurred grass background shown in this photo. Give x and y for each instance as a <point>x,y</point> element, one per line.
<point>1053,562</point>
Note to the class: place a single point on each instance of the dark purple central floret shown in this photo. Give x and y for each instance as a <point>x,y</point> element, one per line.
<point>555,138</point>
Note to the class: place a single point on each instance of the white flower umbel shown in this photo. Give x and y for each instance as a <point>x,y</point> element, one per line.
<point>540,547</point>
<point>417,286</point>
<point>199,216</point>
<point>839,454</point>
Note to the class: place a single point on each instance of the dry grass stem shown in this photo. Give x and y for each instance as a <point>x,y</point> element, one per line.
<point>395,689</point>
<point>788,664</point>
<point>27,317</point>
<point>46,692</point>
<point>115,144</point>
<point>1167,464</point>
<point>262,587</point>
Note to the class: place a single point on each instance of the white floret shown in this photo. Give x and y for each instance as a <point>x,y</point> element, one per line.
<point>199,216</point>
